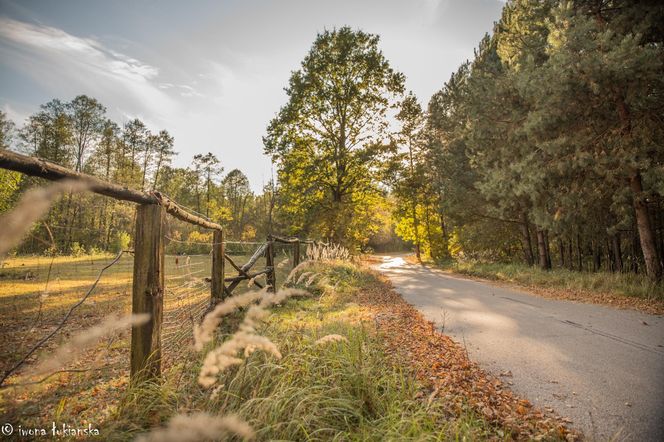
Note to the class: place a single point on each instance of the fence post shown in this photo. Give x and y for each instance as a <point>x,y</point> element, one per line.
<point>218,267</point>
<point>269,262</point>
<point>148,292</point>
<point>296,253</point>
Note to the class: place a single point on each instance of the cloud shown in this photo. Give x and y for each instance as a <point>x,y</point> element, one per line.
<point>59,61</point>
<point>185,90</point>
<point>14,114</point>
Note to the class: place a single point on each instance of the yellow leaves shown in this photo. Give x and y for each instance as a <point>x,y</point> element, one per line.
<point>199,237</point>
<point>248,233</point>
<point>218,212</point>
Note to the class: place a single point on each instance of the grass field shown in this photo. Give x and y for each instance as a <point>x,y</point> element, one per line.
<point>36,292</point>
<point>342,391</point>
<point>348,390</point>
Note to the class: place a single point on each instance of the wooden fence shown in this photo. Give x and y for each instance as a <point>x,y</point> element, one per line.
<point>148,286</point>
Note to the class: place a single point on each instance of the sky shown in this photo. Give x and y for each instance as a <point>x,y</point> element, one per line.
<point>213,73</point>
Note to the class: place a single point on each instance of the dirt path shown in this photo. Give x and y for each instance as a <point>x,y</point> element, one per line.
<point>601,367</point>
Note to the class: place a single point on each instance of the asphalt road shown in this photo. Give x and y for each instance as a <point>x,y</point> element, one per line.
<point>601,367</point>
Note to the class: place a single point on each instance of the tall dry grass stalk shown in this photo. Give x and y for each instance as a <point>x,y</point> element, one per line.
<point>30,208</point>
<point>246,339</point>
<point>199,427</point>
<point>320,252</point>
<point>311,279</point>
<point>303,277</point>
<point>87,339</point>
<point>296,269</point>
<point>331,338</point>
<point>204,332</point>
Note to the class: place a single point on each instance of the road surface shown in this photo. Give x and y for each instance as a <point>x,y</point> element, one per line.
<point>601,367</point>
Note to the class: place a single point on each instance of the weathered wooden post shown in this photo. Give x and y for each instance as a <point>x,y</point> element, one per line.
<point>148,292</point>
<point>296,253</point>
<point>269,262</point>
<point>218,267</point>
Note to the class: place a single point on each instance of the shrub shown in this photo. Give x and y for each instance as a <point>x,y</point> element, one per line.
<point>76,249</point>
<point>121,241</point>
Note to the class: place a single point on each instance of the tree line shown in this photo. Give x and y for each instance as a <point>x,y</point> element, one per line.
<point>554,131</point>
<point>547,146</point>
<point>79,135</point>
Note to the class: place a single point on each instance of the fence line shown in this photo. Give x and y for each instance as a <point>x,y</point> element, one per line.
<point>148,282</point>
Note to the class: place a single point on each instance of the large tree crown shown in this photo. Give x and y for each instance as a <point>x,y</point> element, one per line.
<point>342,90</point>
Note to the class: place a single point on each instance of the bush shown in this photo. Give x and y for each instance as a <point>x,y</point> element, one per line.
<point>76,249</point>
<point>94,250</point>
<point>121,241</point>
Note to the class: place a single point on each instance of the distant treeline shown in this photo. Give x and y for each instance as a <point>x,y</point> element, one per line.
<point>78,135</point>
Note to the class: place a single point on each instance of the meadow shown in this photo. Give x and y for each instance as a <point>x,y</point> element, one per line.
<point>37,291</point>
<point>349,390</point>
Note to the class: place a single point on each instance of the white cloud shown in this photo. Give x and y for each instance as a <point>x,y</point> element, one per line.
<point>60,61</point>
<point>14,114</point>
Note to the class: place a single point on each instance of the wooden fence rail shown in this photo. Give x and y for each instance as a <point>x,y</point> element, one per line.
<point>53,172</point>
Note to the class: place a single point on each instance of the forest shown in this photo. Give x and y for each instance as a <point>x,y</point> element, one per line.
<point>546,147</point>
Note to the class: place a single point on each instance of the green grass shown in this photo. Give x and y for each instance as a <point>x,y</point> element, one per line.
<point>336,391</point>
<point>621,284</point>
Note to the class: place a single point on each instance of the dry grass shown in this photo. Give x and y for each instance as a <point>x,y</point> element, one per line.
<point>35,293</point>
<point>622,290</point>
<point>333,380</point>
<point>345,389</point>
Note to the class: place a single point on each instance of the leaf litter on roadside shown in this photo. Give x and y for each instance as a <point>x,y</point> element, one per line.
<point>443,365</point>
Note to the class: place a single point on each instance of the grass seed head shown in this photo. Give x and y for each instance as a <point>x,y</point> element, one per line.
<point>331,338</point>
<point>199,427</point>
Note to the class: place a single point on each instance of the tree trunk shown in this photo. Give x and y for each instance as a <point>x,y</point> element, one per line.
<point>658,230</point>
<point>579,251</point>
<point>413,200</point>
<point>597,255</point>
<point>427,221</point>
<point>416,226</point>
<point>636,251</point>
<point>157,170</point>
<point>609,256</point>
<point>444,232</point>
<point>561,248</point>
<point>108,231</point>
<point>526,243</point>
<point>646,234</point>
<point>207,198</point>
<point>617,253</point>
<point>570,254</point>
<point>548,249</point>
<point>541,248</point>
